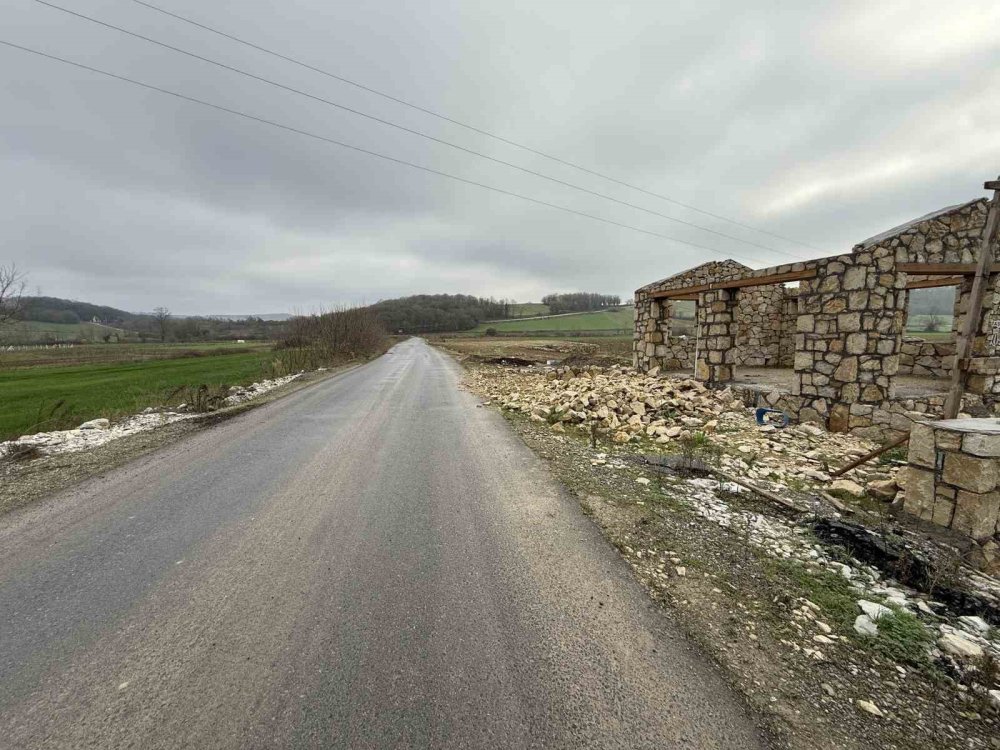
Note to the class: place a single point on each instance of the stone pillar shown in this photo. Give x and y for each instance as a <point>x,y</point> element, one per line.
<point>849,333</point>
<point>652,332</point>
<point>717,343</point>
<point>953,475</point>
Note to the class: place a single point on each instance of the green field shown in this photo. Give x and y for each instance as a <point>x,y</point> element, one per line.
<point>34,331</point>
<point>615,319</point>
<point>528,309</point>
<point>917,324</point>
<point>93,354</point>
<point>78,393</point>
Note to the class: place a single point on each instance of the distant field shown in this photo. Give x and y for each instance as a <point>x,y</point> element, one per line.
<point>80,354</point>
<point>917,324</point>
<point>528,309</point>
<point>28,394</point>
<point>616,319</point>
<point>32,331</point>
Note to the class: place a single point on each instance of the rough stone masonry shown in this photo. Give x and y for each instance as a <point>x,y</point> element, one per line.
<point>847,348</point>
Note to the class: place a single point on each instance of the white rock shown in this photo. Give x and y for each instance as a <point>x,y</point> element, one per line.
<point>863,625</point>
<point>95,424</point>
<point>870,708</point>
<point>995,699</point>
<point>975,624</point>
<point>873,610</point>
<point>957,644</point>
<point>850,487</point>
<point>642,480</point>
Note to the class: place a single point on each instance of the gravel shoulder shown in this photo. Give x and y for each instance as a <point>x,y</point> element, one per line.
<point>726,565</point>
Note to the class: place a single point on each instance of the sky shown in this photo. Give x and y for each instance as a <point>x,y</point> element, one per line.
<point>821,123</point>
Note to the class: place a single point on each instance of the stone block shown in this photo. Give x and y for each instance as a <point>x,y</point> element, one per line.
<point>854,278</point>
<point>986,445</point>
<point>921,447</point>
<point>976,514</point>
<point>839,418</point>
<point>944,510</point>
<point>919,486</point>
<point>856,343</point>
<point>970,472</point>
<point>946,440</point>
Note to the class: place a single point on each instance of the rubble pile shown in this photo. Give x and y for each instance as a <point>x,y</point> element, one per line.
<point>631,407</point>
<point>90,434</point>
<point>240,393</point>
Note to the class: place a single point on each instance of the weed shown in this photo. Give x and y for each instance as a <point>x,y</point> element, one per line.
<point>892,456</point>
<point>902,638</point>
<point>832,592</point>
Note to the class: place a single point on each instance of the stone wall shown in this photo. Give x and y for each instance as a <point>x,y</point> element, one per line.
<point>759,313</point>
<point>789,322</point>
<point>848,319</point>
<point>931,359</point>
<point>953,477</point>
<point>848,341</point>
<point>651,346</point>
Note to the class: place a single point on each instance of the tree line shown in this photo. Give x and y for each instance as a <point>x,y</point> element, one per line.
<point>580,302</point>
<point>435,313</point>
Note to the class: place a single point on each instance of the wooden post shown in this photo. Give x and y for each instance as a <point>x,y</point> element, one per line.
<point>970,325</point>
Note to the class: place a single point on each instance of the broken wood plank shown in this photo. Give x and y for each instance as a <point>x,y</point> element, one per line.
<point>869,456</point>
<point>758,490</point>
<point>836,503</point>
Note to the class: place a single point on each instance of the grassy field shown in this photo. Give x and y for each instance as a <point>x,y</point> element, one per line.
<point>616,319</point>
<point>34,399</point>
<point>81,354</point>
<point>528,309</point>
<point>34,331</point>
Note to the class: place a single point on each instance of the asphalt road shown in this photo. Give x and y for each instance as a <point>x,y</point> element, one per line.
<point>372,561</point>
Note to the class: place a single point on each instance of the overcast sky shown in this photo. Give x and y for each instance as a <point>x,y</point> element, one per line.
<point>822,122</point>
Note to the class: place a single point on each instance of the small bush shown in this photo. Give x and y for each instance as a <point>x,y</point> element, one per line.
<point>490,332</point>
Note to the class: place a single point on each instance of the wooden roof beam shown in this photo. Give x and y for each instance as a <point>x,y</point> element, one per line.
<point>944,269</point>
<point>935,282</point>
<point>770,279</point>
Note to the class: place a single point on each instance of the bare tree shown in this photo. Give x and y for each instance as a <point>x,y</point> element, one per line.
<point>12,284</point>
<point>162,317</point>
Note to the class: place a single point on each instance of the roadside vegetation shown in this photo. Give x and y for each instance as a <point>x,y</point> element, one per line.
<point>312,341</point>
<point>52,397</point>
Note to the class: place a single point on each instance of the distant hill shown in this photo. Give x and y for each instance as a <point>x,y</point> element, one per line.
<point>434,313</point>
<point>56,310</point>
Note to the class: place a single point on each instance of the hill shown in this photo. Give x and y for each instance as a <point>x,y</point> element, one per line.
<point>615,319</point>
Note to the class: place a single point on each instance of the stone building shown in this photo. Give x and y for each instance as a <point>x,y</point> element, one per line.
<point>849,313</point>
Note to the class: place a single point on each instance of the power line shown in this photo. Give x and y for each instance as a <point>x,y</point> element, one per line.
<point>405,129</point>
<point>376,154</point>
<point>473,128</point>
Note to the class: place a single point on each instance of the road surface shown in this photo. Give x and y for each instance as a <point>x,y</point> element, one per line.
<point>370,562</point>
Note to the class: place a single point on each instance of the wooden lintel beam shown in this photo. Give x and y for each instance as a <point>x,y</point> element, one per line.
<point>935,282</point>
<point>689,297</point>
<point>944,269</point>
<point>774,278</point>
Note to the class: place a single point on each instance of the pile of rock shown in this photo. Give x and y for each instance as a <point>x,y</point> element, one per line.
<point>97,432</point>
<point>88,435</point>
<point>629,407</point>
<point>240,393</point>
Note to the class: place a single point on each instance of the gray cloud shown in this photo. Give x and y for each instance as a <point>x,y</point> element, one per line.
<point>825,123</point>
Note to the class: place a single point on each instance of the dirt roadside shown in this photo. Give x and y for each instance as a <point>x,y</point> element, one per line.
<point>725,564</point>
